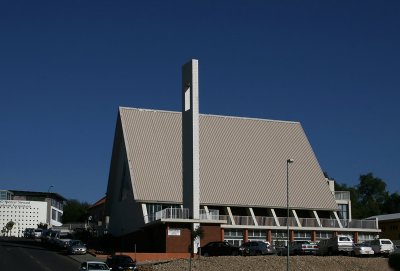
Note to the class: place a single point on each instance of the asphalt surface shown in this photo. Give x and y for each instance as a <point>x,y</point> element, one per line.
<point>20,254</point>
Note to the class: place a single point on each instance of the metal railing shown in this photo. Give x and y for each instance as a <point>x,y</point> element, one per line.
<point>173,213</point>
<point>329,223</point>
<point>283,221</point>
<point>342,195</point>
<point>210,215</point>
<point>363,224</point>
<point>265,221</point>
<point>309,222</point>
<point>183,213</point>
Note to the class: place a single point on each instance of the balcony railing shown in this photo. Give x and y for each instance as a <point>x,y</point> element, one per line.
<point>183,213</point>
<point>210,215</point>
<point>342,195</point>
<point>329,223</point>
<point>283,221</point>
<point>355,223</point>
<point>308,222</point>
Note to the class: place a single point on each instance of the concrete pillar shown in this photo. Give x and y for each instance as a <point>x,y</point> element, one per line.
<point>313,236</point>
<point>291,235</point>
<point>190,143</point>
<point>269,236</point>
<point>245,235</point>
<point>355,237</point>
<point>190,138</point>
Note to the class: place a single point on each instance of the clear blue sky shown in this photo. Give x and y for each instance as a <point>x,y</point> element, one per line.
<point>66,66</point>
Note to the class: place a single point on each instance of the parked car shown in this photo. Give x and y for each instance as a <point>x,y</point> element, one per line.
<point>121,262</point>
<point>46,235</point>
<point>93,266</point>
<point>76,247</point>
<point>340,244</point>
<point>381,246</point>
<point>51,238</point>
<point>219,249</point>
<point>303,247</point>
<point>362,250</point>
<point>29,232</point>
<point>256,248</point>
<point>62,239</point>
<point>37,233</point>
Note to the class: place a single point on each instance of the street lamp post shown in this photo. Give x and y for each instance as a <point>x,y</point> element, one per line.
<point>288,161</point>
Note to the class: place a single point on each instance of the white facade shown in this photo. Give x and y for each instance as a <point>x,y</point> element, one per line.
<point>25,214</point>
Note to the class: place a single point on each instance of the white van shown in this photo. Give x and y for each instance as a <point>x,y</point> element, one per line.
<point>381,246</point>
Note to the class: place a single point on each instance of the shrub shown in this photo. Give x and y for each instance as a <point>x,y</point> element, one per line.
<point>394,261</point>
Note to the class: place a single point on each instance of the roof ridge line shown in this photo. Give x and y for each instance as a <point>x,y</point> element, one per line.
<point>208,115</point>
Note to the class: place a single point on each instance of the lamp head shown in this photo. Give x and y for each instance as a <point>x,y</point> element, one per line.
<point>290,161</point>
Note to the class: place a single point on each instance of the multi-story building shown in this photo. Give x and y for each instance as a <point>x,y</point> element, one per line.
<point>27,209</point>
<point>390,226</point>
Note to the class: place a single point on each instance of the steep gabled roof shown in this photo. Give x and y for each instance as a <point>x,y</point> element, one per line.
<point>242,161</point>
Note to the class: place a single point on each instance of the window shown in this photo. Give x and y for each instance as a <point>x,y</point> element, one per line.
<point>257,233</point>
<point>53,214</point>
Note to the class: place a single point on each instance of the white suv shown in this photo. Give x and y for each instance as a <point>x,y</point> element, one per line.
<point>381,246</point>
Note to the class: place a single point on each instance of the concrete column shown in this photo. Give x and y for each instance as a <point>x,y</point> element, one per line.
<point>245,235</point>
<point>190,138</point>
<point>269,236</point>
<point>355,237</point>
<point>313,236</point>
<point>291,235</point>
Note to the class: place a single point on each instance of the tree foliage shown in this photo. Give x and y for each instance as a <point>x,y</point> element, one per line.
<point>370,197</point>
<point>42,225</point>
<point>8,227</point>
<point>75,211</point>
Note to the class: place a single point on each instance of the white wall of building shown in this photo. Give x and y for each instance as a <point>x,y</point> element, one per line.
<point>25,214</point>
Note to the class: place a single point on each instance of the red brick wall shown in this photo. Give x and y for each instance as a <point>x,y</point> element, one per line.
<point>156,238</point>
<point>211,233</point>
<point>178,244</point>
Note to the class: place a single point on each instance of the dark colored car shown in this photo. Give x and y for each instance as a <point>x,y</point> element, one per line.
<point>256,248</point>
<point>219,249</point>
<point>121,262</point>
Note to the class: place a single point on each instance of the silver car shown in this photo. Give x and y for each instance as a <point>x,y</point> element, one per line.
<point>362,250</point>
<point>76,247</point>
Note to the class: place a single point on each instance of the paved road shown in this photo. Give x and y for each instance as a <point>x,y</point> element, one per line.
<point>18,254</point>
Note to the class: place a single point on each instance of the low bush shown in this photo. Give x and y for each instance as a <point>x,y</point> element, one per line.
<point>394,261</point>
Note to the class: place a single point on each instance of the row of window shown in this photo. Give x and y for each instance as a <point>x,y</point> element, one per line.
<point>17,216</point>
<point>278,234</point>
<point>235,236</point>
<point>8,211</point>
<point>19,207</point>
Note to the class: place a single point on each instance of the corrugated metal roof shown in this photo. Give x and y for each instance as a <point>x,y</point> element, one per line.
<point>242,161</point>
<point>395,216</point>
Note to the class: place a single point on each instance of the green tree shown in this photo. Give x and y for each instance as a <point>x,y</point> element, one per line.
<point>75,211</point>
<point>9,226</point>
<point>372,195</point>
<point>43,226</point>
<point>392,204</point>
